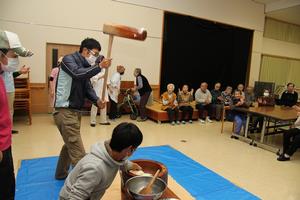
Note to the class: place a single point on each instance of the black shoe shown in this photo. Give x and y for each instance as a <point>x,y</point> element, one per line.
<point>14,132</point>
<point>142,119</point>
<point>283,158</point>
<point>106,123</point>
<point>234,137</point>
<point>93,125</point>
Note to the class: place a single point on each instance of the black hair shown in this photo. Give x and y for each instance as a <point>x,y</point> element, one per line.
<point>90,43</point>
<point>290,84</point>
<point>4,51</point>
<point>125,135</point>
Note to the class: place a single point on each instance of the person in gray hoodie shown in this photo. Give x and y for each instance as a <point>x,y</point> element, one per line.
<point>95,172</point>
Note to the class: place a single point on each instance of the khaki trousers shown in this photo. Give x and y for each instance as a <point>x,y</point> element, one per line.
<point>68,124</point>
<point>103,117</point>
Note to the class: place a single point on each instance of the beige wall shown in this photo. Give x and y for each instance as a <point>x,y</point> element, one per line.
<point>281,48</point>
<point>68,22</point>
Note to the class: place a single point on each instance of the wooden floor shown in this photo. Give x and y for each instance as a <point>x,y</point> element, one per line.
<point>251,168</point>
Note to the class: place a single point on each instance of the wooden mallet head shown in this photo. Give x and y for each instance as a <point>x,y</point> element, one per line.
<point>125,31</point>
<point>120,31</point>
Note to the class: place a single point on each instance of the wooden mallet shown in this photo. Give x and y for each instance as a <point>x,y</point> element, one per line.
<point>120,31</point>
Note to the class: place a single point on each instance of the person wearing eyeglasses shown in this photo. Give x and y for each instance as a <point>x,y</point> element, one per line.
<point>95,172</point>
<point>72,87</point>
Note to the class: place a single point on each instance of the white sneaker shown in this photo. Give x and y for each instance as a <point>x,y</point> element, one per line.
<point>191,121</point>
<point>202,121</point>
<point>178,122</point>
<point>183,122</point>
<point>208,120</point>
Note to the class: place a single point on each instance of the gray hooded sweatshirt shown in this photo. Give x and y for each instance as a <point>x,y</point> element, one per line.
<point>92,175</point>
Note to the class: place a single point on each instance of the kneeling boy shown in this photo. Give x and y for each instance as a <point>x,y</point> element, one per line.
<point>95,172</point>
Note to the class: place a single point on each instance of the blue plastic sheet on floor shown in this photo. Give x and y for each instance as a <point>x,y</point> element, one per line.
<point>35,179</point>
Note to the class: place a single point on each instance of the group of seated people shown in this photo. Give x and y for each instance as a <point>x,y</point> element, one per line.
<point>210,104</point>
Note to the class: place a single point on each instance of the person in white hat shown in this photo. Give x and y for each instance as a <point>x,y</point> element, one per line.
<point>11,41</point>
<point>10,47</point>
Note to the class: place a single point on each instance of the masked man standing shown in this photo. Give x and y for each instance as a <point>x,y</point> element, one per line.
<point>73,86</point>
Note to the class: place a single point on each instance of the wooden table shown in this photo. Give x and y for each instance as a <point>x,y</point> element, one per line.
<point>268,112</point>
<point>167,194</point>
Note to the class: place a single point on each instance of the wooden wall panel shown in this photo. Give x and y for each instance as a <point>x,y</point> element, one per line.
<point>39,97</point>
<point>156,92</point>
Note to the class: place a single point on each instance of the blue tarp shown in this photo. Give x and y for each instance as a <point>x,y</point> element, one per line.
<point>35,179</point>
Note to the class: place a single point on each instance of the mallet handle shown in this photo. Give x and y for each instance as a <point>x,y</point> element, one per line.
<point>110,42</point>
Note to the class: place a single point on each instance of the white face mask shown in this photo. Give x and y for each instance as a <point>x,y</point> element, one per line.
<point>12,65</point>
<point>91,60</point>
<point>266,94</point>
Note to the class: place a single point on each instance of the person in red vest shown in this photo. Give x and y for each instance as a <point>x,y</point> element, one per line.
<point>7,183</point>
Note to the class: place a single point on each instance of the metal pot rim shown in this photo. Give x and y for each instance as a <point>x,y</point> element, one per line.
<point>147,177</point>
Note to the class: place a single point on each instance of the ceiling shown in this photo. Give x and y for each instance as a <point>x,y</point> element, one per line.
<point>284,10</point>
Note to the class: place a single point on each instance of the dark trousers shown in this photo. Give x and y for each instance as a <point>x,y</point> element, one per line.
<point>201,108</point>
<point>173,114</point>
<point>290,147</point>
<point>187,111</point>
<point>113,109</point>
<point>7,176</point>
<point>143,102</point>
<point>68,124</point>
<point>217,110</point>
<point>258,120</point>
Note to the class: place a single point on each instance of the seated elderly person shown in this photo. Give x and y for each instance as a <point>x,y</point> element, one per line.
<point>227,100</point>
<point>290,96</point>
<point>240,88</point>
<point>291,139</point>
<point>170,104</point>
<point>184,101</point>
<point>203,102</point>
<point>266,100</point>
<point>249,96</point>
<point>216,101</point>
<point>239,117</point>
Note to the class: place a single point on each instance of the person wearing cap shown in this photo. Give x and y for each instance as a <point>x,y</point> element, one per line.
<point>10,41</point>
<point>52,79</point>
<point>7,175</point>
<point>72,87</point>
<point>114,87</point>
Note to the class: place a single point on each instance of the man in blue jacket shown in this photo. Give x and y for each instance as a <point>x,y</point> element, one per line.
<point>72,87</point>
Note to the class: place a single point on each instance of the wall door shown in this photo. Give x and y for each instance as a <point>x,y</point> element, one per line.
<point>53,53</point>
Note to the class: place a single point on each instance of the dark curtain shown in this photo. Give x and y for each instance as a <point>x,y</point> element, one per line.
<point>196,50</point>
